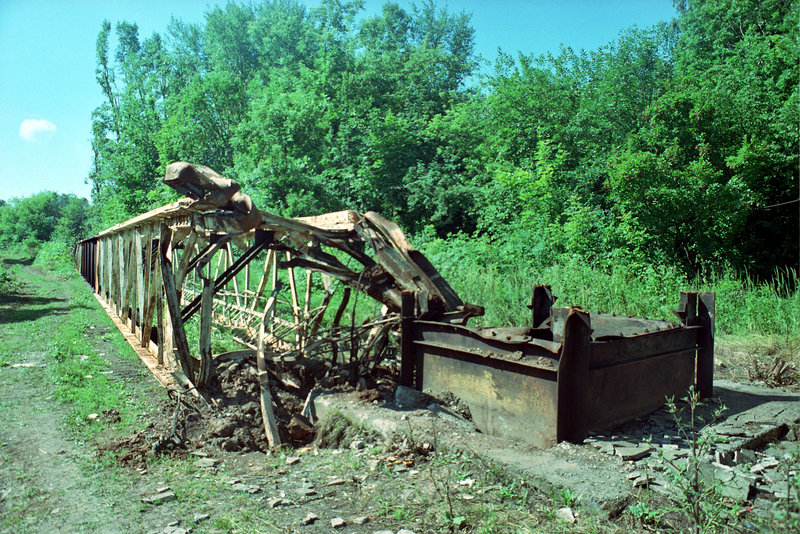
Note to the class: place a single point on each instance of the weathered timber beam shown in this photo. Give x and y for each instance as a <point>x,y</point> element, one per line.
<point>267,413</point>
<point>173,303</point>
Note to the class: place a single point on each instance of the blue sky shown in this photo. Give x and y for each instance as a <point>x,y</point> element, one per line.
<point>47,60</point>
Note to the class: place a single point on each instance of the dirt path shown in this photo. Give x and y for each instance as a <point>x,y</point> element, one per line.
<point>44,483</point>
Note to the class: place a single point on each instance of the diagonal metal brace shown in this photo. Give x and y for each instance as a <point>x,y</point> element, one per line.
<point>262,241</point>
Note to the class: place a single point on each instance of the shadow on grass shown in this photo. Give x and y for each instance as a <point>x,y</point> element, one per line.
<point>17,308</point>
<point>28,261</point>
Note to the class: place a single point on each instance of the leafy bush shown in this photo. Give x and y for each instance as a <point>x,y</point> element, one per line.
<point>7,280</point>
<point>55,256</point>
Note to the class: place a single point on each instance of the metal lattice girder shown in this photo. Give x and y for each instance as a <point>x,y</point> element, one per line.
<point>155,272</point>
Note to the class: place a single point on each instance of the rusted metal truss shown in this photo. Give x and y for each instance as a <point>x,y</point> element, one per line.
<point>215,256</point>
<point>286,290</point>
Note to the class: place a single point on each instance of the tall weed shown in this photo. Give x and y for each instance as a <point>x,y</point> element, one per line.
<point>500,277</point>
<point>55,256</point>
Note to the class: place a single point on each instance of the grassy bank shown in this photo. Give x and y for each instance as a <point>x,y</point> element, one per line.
<point>484,273</point>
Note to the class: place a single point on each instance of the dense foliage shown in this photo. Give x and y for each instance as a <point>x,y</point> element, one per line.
<point>673,146</point>
<point>41,218</point>
<point>668,145</point>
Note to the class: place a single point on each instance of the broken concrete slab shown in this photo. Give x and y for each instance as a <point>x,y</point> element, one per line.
<point>596,484</point>
<point>727,481</point>
<point>159,498</point>
<point>633,453</point>
<point>594,471</point>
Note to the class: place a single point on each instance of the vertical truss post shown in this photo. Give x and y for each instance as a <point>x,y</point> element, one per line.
<point>408,357</point>
<point>267,413</point>
<point>138,251</point>
<point>174,305</point>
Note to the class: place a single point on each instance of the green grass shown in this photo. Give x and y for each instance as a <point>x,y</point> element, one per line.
<point>54,317</point>
<point>481,273</point>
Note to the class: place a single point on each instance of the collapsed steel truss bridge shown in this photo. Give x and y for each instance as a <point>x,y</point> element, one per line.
<point>286,290</point>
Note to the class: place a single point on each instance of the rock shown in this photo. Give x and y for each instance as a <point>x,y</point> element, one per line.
<point>729,430</point>
<point>251,408</point>
<point>724,457</point>
<point>405,531</point>
<point>410,399</point>
<point>277,501</point>
<point>565,515</point>
<point>744,456</point>
<point>361,520</point>
<point>206,463</point>
<point>199,518</point>
<point>338,522</point>
<point>362,384</point>
<point>337,482</point>
<point>357,444</point>
<point>382,532</point>
<point>222,428</point>
<point>175,530</point>
<point>768,433</point>
<point>633,453</point>
<point>291,460</point>
<point>604,447</point>
<point>244,437</point>
<point>299,427</point>
<point>674,454</point>
<point>308,492</point>
<point>729,483</point>
<point>769,462</point>
<point>230,445</point>
<point>246,488</point>
<point>159,498</point>
<point>310,518</point>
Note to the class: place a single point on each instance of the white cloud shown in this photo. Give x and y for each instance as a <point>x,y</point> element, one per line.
<point>35,130</point>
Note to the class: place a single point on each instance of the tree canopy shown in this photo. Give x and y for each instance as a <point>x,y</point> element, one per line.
<point>676,143</point>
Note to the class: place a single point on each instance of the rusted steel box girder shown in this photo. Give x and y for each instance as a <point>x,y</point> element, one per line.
<point>577,372</point>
